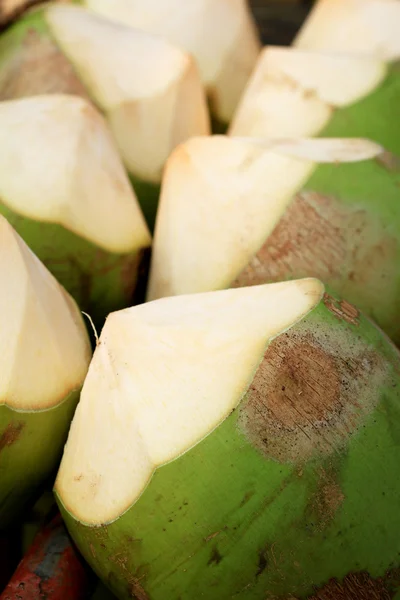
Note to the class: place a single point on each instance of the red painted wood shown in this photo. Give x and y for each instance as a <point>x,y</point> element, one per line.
<point>52,569</point>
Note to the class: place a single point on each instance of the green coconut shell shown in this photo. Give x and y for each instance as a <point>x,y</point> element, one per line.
<point>342,227</point>
<point>99,281</point>
<point>372,117</point>
<point>31,445</point>
<point>294,495</point>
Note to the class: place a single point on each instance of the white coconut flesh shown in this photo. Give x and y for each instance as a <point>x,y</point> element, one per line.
<point>354,27</point>
<point>44,346</point>
<point>294,92</point>
<point>222,197</point>
<point>59,164</point>
<point>149,89</point>
<point>164,375</point>
<point>221,36</point>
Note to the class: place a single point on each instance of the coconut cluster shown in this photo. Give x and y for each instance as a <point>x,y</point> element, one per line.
<point>225,220</point>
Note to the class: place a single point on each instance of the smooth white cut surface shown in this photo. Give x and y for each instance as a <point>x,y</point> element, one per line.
<point>220,34</point>
<point>149,89</point>
<point>44,346</point>
<point>59,164</point>
<point>368,27</point>
<point>164,375</point>
<point>294,92</point>
<point>221,199</point>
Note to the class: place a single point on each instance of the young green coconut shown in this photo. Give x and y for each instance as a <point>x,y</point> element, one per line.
<point>64,189</point>
<point>246,211</point>
<point>238,440</point>
<point>44,355</point>
<point>149,90</point>
<point>221,36</point>
<point>332,89</point>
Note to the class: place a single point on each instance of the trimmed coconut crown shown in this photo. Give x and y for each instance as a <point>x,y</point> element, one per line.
<point>220,34</point>
<point>353,26</point>
<point>149,89</point>
<point>244,183</point>
<point>59,164</point>
<point>294,92</point>
<point>44,346</point>
<point>163,376</point>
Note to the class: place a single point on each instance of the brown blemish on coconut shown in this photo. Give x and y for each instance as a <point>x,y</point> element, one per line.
<point>320,237</point>
<point>38,67</point>
<point>342,309</point>
<point>356,586</point>
<point>313,389</point>
<point>389,161</point>
<point>327,498</point>
<point>11,434</point>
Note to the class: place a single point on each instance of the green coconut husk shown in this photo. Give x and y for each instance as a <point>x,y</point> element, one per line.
<point>64,189</point>
<point>151,104</point>
<point>340,78</point>
<point>238,212</point>
<point>45,354</point>
<point>238,442</point>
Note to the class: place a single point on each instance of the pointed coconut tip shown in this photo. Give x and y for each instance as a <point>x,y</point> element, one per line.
<point>226,55</point>
<point>164,375</point>
<point>293,92</point>
<point>244,183</point>
<point>150,89</point>
<point>107,43</point>
<point>44,346</point>
<point>355,27</point>
<point>73,175</point>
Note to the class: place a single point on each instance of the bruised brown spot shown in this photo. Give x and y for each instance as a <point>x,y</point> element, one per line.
<point>11,434</point>
<point>389,161</point>
<point>137,592</point>
<point>312,390</point>
<point>348,248</point>
<point>38,67</point>
<point>356,586</point>
<point>327,499</point>
<point>342,309</point>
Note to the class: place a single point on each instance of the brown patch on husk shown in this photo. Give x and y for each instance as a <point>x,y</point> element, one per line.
<point>389,161</point>
<point>355,586</point>
<point>319,237</point>
<point>342,309</point>
<point>313,389</point>
<point>38,67</point>
<point>327,499</point>
<point>11,434</point>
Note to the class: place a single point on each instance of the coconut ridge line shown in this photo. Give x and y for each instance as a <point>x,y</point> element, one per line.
<point>259,494</point>
<point>153,323</point>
